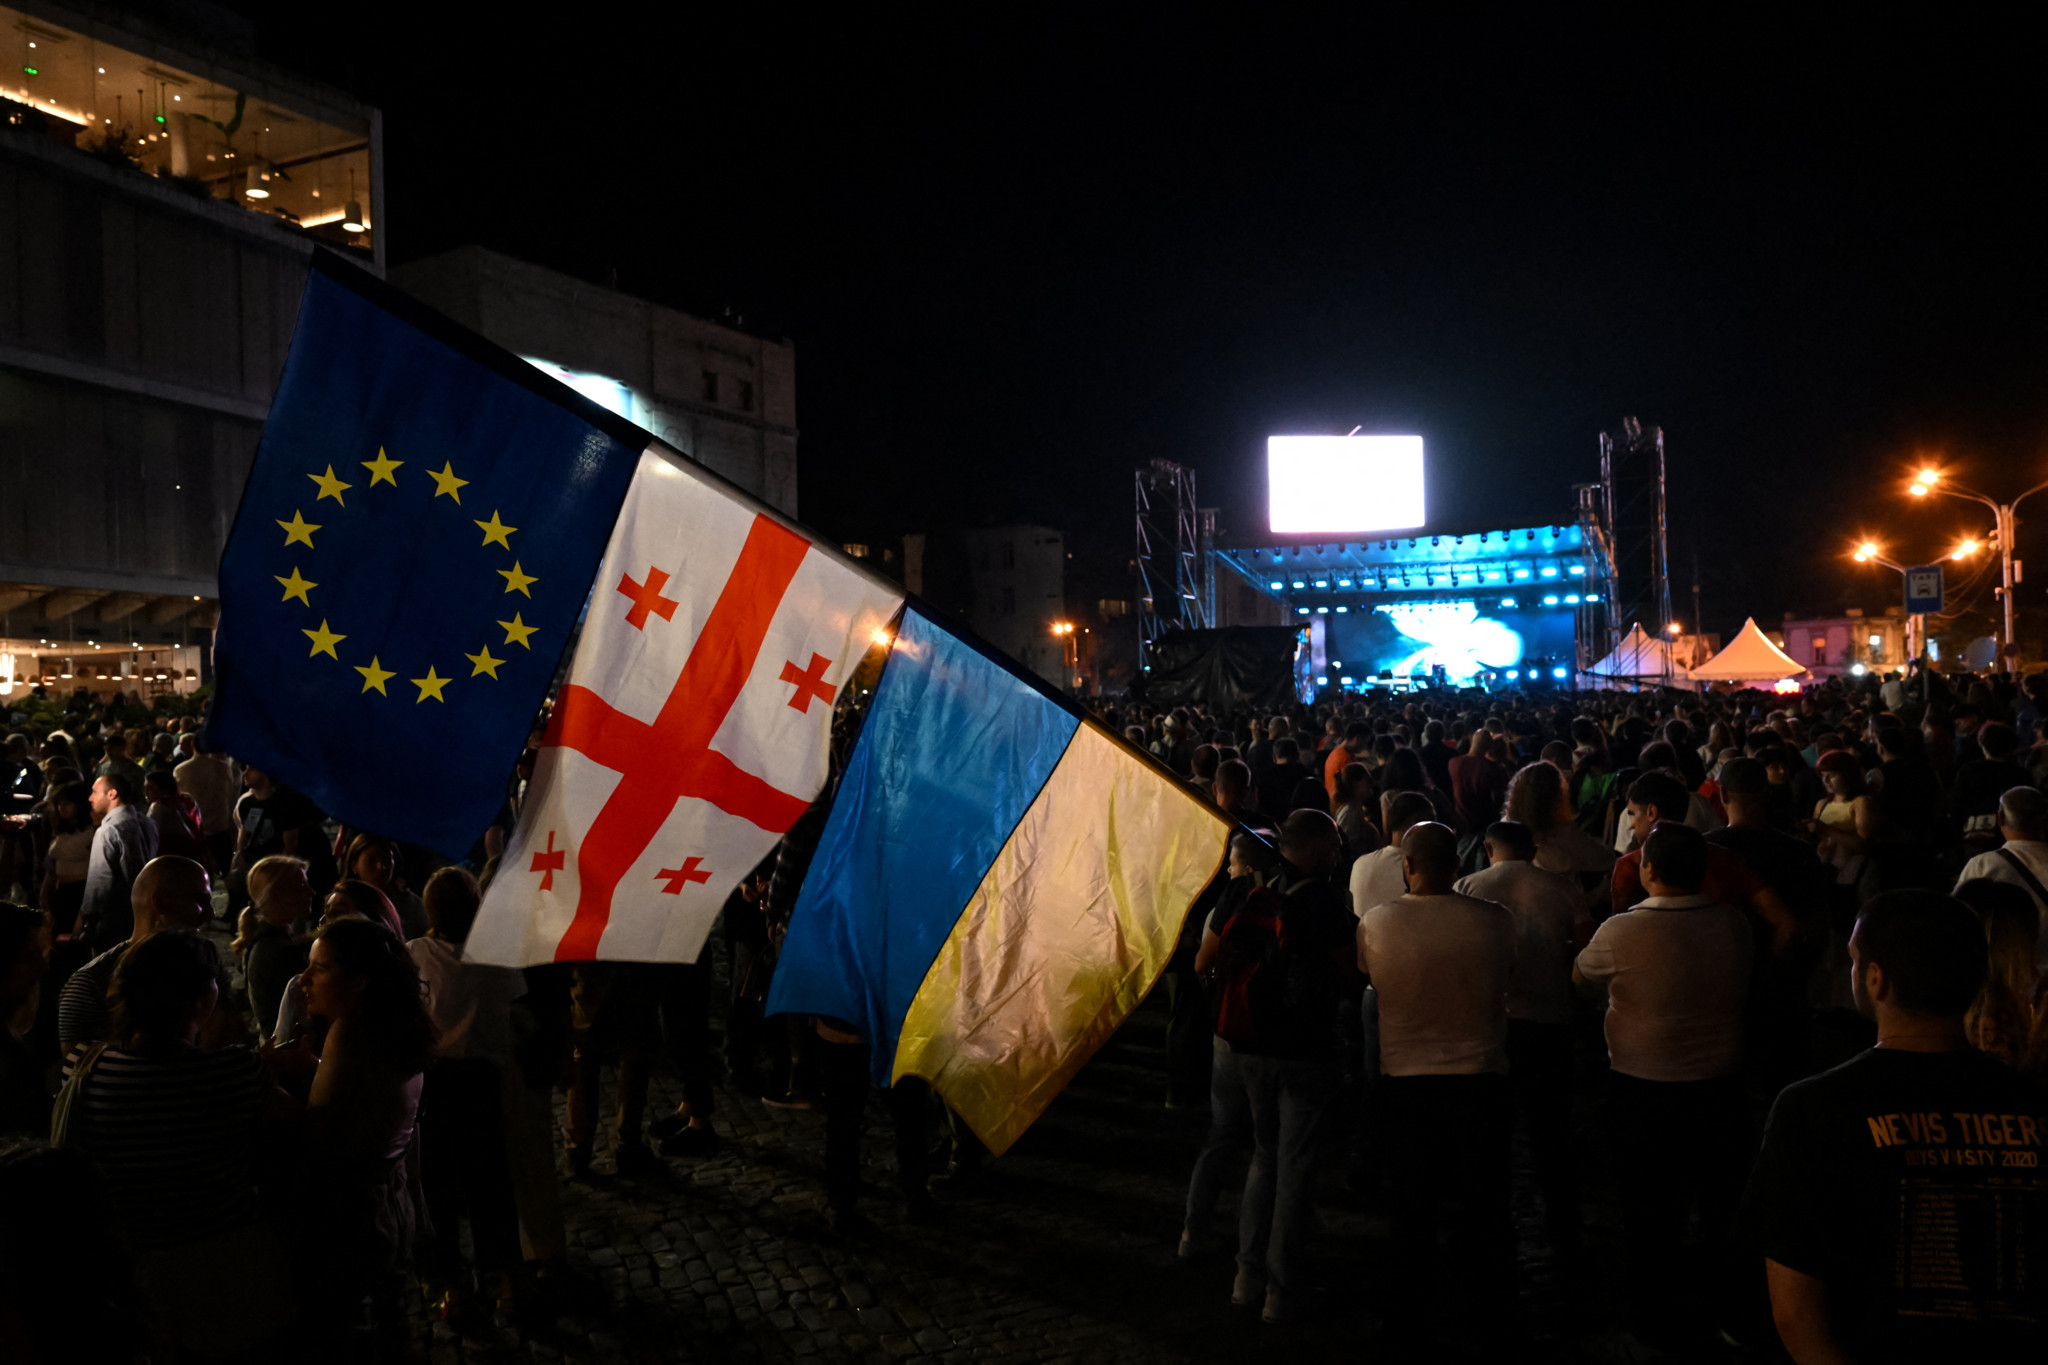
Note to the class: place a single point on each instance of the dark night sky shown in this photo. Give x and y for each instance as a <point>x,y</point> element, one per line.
<point>1021,252</point>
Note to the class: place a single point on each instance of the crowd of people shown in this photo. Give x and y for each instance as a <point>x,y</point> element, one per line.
<point>1799,943</point>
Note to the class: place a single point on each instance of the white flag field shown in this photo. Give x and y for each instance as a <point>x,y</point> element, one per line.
<point>692,731</point>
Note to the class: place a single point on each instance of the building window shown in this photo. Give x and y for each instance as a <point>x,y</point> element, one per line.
<point>858,551</point>
<point>1009,555</point>
<point>1009,607</point>
<point>1109,607</point>
<point>746,395</point>
<point>1820,651</point>
<point>711,386</point>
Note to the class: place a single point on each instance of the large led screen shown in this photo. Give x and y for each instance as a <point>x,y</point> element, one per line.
<point>1340,485</point>
<point>1411,639</point>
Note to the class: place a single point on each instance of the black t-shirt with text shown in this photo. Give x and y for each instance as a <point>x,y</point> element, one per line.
<point>1911,1184</point>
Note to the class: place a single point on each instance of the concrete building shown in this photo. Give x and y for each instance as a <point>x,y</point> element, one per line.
<point>1010,584</point>
<point>160,194</point>
<point>720,396</point>
<point>1835,646</point>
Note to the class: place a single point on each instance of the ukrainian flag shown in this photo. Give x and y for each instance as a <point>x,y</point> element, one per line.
<point>998,886</point>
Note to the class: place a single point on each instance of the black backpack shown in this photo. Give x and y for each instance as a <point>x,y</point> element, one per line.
<point>1274,993</point>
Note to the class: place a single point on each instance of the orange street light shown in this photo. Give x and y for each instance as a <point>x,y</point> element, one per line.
<point>1675,628</point>
<point>1967,548</point>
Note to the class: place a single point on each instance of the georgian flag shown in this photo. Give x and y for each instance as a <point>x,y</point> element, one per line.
<point>694,727</point>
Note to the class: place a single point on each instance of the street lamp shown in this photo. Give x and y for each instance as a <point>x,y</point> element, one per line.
<point>1867,552</point>
<point>1930,480</point>
<point>1072,647</point>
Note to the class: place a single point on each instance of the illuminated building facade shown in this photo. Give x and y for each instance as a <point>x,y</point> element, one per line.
<point>161,191</point>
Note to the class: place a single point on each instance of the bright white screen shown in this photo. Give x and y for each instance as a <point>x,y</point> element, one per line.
<point>1341,484</point>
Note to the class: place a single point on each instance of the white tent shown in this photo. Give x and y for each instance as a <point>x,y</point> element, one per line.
<point>1641,658</point>
<point>1751,658</point>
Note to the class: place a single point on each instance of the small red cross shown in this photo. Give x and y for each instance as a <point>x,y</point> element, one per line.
<point>809,683</point>
<point>549,863</point>
<point>647,597</point>
<point>679,877</point>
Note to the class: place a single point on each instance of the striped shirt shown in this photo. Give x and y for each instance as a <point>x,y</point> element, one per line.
<point>175,1139</point>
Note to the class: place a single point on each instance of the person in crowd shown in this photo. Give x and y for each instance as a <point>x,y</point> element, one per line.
<point>463,1165</point>
<point>176,818</point>
<point>1260,756</point>
<point>1403,772</point>
<point>373,859</point>
<point>2001,1020</point>
<point>1653,800</point>
<point>274,953</point>
<point>1897,1195</point>
<point>1442,966</point>
<point>2022,860</point>
<point>122,842</point>
<point>1355,810</point>
<point>68,859</point>
<point>1295,927</point>
<point>1230,1115</point>
<point>173,1129</point>
<point>1539,799</point>
<point>1551,925</point>
<point>209,779</point>
<point>118,762</point>
<point>1380,876</point>
<point>272,819</point>
<point>844,1064</point>
<point>1479,783</point>
<point>1283,773</point>
<point>169,893</point>
<point>1971,805</point>
<point>1787,866</point>
<point>356,1209</point>
<point>1675,972</point>
<point>24,951</point>
<point>1235,795</point>
<point>1357,743</point>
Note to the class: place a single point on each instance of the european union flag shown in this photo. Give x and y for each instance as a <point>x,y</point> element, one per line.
<point>415,542</point>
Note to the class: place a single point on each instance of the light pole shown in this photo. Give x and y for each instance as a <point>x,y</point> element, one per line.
<point>1916,624</point>
<point>1070,654</point>
<point>2007,523</point>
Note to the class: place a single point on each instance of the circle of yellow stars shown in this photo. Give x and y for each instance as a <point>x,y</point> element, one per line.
<point>297,587</point>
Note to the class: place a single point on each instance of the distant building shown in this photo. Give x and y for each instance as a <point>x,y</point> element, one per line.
<point>1833,646</point>
<point>150,270</point>
<point>720,396</point>
<point>1009,582</point>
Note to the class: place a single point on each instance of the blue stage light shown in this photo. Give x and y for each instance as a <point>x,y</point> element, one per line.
<point>1278,586</point>
<point>1521,573</point>
<point>1342,610</point>
<point>1322,681</point>
<point>1550,571</point>
<point>1301,611</point>
<point>1572,598</point>
<point>1513,674</point>
<point>1322,582</point>
<point>1508,603</point>
<point>1347,681</point>
<point>1299,584</point>
<point>1557,672</point>
<point>1322,611</point>
<point>1343,582</point>
<point>1592,597</point>
<point>1493,575</point>
<point>1576,570</point>
<point>1550,600</point>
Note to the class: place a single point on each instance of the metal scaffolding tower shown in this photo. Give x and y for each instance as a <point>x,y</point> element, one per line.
<point>1171,591</point>
<point>1635,525</point>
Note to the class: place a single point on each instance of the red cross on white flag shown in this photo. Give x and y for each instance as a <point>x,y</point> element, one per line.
<point>686,739</point>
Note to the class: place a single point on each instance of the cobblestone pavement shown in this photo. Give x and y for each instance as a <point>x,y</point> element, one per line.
<point>1065,1251</point>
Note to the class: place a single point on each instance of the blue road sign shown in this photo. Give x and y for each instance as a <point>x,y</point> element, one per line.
<point>1923,590</point>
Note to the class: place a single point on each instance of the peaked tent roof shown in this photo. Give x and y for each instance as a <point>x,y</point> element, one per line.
<point>1641,655</point>
<point>1750,657</point>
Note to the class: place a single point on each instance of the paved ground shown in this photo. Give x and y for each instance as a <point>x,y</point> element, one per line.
<point>1065,1252</point>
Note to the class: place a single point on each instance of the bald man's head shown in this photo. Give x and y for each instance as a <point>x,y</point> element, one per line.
<point>170,893</point>
<point>1429,852</point>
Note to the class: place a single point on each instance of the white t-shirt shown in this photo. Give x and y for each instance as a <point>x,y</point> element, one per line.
<point>1377,877</point>
<point>471,1004</point>
<point>1676,969</point>
<point>1548,910</point>
<point>1442,967</point>
<point>1993,865</point>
